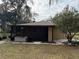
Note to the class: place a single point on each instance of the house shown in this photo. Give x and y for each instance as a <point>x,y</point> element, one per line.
<point>44,31</point>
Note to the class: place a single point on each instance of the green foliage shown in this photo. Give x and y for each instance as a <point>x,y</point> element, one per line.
<point>17,9</point>
<point>13,12</point>
<point>67,20</point>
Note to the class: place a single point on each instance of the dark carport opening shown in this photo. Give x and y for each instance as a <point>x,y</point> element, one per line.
<point>33,33</point>
<point>38,33</point>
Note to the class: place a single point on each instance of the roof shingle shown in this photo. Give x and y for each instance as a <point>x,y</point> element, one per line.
<point>41,23</point>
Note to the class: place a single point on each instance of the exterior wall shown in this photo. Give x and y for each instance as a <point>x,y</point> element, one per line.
<point>50,34</point>
<point>57,34</point>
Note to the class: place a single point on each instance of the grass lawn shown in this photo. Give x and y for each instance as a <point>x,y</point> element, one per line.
<point>10,51</point>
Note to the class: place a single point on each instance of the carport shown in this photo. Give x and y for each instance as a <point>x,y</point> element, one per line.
<point>43,31</point>
<point>37,33</point>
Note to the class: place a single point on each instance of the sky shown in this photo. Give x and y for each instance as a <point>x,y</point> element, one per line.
<point>0,1</point>
<point>45,11</point>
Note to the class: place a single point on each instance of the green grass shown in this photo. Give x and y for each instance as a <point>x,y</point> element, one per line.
<point>10,51</point>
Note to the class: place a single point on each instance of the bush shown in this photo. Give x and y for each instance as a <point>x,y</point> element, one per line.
<point>75,43</point>
<point>4,37</point>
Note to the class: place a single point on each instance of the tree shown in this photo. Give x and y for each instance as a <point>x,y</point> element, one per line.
<point>20,7</point>
<point>13,12</point>
<point>68,22</point>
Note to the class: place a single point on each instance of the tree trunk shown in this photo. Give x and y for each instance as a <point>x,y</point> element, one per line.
<point>69,37</point>
<point>69,40</point>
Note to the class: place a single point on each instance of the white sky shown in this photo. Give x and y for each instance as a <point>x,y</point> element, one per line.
<point>42,8</point>
<point>0,1</point>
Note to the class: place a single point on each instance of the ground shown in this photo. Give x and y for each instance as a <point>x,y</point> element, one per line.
<point>30,51</point>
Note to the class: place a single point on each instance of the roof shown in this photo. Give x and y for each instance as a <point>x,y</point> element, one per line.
<point>41,23</point>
